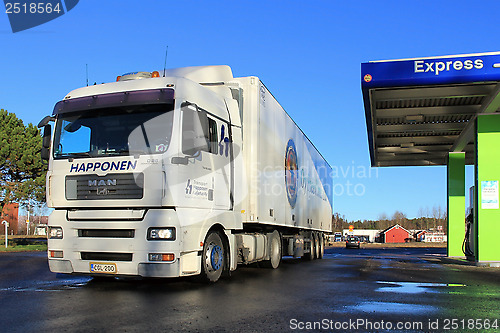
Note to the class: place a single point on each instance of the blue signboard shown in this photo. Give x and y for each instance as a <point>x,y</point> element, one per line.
<point>430,71</point>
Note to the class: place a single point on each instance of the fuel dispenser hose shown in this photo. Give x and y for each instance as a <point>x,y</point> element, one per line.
<point>466,243</point>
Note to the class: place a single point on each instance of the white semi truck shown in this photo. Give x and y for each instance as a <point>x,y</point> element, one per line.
<point>187,173</point>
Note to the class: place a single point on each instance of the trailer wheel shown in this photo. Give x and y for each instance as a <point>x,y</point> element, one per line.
<point>321,245</point>
<point>317,246</point>
<point>312,254</point>
<point>213,258</point>
<point>275,251</point>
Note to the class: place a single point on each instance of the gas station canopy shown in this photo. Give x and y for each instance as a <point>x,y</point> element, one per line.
<point>419,110</point>
<point>443,111</point>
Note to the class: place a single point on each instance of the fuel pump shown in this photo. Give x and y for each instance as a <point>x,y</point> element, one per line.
<point>468,243</point>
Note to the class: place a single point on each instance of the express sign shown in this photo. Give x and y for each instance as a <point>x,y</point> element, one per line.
<point>422,66</point>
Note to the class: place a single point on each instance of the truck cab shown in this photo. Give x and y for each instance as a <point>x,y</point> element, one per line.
<point>134,166</point>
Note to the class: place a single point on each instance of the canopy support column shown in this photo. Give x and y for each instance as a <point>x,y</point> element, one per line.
<point>456,203</point>
<point>487,168</point>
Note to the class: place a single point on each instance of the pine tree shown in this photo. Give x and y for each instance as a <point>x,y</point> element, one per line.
<point>22,173</point>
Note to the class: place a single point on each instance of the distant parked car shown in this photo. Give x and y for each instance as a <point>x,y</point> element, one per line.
<point>352,241</point>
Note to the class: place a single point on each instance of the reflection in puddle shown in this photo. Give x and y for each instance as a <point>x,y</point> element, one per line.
<point>384,307</point>
<point>414,287</point>
<point>65,283</point>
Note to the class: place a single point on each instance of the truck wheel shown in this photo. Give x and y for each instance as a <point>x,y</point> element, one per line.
<point>213,257</point>
<point>275,251</point>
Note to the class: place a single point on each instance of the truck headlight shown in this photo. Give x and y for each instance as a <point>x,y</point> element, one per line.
<point>161,234</point>
<point>55,233</point>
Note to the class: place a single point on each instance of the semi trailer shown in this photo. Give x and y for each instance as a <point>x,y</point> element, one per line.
<point>191,172</point>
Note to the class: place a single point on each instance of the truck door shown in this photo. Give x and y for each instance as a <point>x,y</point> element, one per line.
<point>205,145</point>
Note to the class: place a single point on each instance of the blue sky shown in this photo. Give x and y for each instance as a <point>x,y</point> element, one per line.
<point>308,53</point>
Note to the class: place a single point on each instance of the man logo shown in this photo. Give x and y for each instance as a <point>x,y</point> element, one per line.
<point>102,182</point>
<point>26,14</point>
<point>102,191</point>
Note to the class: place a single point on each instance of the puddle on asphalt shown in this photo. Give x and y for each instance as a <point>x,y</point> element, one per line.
<point>331,255</point>
<point>392,308</point>
<point>57,285</point>
<point>414,287</point>
<point>404,288</point>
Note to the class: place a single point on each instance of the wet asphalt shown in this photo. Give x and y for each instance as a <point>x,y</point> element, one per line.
<point>365,290</point>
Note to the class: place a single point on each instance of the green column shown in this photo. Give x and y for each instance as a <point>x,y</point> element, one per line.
<point>456,203</point>
<point>487,169</point>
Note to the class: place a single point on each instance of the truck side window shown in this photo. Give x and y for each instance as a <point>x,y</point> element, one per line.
<point>212,135</point>
<point>194,130</point>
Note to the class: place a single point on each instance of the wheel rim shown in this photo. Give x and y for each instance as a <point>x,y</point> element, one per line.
<point>321,247</point>
<point>275,252</point>
<point>214,257</point>
<point>313,248</point>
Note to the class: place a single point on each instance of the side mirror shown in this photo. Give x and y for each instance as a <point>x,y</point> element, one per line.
<point>45,154</point>
<point>45,121</point>
<point>47,132</point>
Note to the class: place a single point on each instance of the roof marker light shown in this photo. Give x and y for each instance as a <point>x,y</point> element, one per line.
<point>137,76</point>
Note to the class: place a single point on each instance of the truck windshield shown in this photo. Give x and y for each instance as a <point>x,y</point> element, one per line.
<point>138,129</point>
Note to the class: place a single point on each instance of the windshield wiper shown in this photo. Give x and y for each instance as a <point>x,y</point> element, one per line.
<point>126,151</point>
<point>70,155</point>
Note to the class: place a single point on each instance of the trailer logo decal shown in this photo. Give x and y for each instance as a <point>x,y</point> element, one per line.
<point>291,172</point>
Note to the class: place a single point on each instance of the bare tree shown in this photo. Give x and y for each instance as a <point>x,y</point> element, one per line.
<point>384,222</point>
<point>399,218</point>
<point>338,221</point>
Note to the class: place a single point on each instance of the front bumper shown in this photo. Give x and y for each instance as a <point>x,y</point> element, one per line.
<point>80,251</point>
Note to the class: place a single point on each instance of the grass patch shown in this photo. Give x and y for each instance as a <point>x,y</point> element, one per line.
<point>23,244</point>
<point>23,248</point>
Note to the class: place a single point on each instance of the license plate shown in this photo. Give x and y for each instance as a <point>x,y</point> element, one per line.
<point>96,267</point>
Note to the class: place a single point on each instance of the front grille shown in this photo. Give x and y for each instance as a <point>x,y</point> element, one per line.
<point>106,256</point>
<point>111,187</point>
<point>107,233</point>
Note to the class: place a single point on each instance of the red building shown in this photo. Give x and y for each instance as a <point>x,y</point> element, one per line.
<point>394,234</point>
<point>10,214</point>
